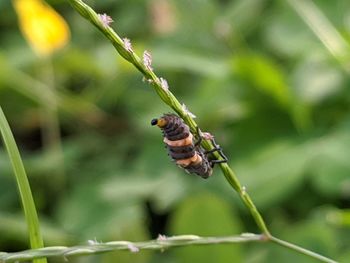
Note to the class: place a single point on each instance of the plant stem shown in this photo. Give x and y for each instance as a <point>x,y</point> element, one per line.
<point>161,243</point>
<point>95,247</point>
<point>50,126</point>
<point>301,250</point>
<point>30,213</point>
<point>169,99</point>
<point>232,179</point>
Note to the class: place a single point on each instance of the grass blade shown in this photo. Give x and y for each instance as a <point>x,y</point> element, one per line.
<point>324,30</point>
<point>30,213</point>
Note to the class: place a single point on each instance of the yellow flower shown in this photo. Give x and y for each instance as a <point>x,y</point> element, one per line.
<point>44,29</point>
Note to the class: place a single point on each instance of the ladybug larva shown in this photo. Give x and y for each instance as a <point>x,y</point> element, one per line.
<point>182,149</point>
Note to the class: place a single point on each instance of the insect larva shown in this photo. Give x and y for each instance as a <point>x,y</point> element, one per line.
<point>182,149</point>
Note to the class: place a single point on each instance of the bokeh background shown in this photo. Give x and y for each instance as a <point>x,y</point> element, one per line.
<point>258,77</point>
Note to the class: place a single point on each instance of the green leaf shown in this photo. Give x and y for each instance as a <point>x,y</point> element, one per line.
<point>331,165</point>
<point>208,215</point>
<point>173,58</point>
<point>13,227</point>
<point>275,171</point>
<point>264,75</point>
<point>315,79</point>
<point>30,213</point>
<point>287,35</point>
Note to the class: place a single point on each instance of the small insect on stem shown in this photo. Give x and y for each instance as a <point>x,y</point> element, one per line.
<point>181,147</point>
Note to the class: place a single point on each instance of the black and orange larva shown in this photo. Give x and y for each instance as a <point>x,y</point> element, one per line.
<point>182,149</point>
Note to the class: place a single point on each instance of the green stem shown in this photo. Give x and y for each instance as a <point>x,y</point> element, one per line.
<point>233,181</point>
<point>30,213</point>
<point>301,250</point>
<point>95,247</point>
<point>161,243</point>
<point>172,102</point>
<point>50,126</point>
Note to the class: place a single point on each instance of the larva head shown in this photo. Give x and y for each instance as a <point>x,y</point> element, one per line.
<point>161,122</point>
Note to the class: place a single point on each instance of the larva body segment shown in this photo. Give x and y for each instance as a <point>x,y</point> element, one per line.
<point>180,145</point>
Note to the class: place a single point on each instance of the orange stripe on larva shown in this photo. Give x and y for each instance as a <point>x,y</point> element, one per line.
<point>182,142</point>
<point>193,160</point>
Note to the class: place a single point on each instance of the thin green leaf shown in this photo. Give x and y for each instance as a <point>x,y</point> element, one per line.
<point>30,213</point>
<point>324,30</point>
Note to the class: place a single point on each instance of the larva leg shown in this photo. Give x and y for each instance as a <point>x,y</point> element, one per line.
<point>218,149</point>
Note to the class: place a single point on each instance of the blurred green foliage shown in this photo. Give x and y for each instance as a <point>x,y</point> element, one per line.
<point>257,78</point>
